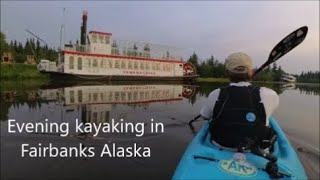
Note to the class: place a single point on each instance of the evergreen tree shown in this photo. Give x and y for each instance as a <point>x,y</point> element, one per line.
<point>194,60</point>
<point>4,47</point>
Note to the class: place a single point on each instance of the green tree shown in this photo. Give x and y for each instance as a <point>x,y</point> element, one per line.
<point>4,47</point>
<point>194,60</point>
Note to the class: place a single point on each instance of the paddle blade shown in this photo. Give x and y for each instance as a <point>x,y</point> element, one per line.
<point>288,43</point>
<point>284,46</point>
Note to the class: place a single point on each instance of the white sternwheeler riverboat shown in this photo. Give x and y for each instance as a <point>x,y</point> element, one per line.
<point>288,78</point>
<point>99,57</point>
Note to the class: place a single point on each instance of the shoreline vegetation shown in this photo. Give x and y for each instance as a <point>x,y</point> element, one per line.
<point>21,77</point>
<point>210,69</point>
<point>28,72</point>
<point>226,80</point>
<point>21,71</point>
<point>212,79</point>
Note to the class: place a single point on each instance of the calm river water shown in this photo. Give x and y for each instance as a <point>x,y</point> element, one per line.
<point>170,104</point>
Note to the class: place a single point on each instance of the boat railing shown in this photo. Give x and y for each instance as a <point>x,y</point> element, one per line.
<point>77,48</point>
<point>145,50</point>
<point>142,50</point>
<point>143,54</point>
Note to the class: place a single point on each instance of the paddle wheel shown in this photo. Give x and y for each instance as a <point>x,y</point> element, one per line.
<point>189,69</point>
<point>188,91</point>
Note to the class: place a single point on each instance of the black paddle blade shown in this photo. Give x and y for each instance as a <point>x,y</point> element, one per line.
<point>284,46</point>
<point>288,43</point>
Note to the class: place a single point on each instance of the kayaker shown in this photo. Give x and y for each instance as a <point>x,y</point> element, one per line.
<point>240,112</point>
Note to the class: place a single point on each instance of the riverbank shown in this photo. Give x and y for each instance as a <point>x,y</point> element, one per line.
<point>21,72</point>
<point>205,79</point>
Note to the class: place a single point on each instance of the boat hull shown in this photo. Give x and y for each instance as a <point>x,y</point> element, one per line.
<point>58,76</point>
<point>216,163</point>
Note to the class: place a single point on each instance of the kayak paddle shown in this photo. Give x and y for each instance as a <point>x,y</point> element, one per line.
<point>284,46</point>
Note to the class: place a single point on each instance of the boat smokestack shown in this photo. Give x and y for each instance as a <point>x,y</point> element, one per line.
<point>84,28</point>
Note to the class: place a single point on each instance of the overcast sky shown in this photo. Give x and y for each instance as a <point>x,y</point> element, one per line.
<point>208,28</point>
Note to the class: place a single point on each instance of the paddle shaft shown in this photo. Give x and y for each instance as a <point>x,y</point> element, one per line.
<point>261,68</point>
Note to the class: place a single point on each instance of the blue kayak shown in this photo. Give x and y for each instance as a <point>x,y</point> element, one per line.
<point>204,160</point>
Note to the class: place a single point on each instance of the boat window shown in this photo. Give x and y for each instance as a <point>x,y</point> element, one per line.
<point>136,66</point>
<point>110,96</point>
<point>95,63</point>
<point>117,64</point>
<point>142,65</point>
<point>107,63</point>
<point>101,39</point>
<point>123,65</point>
<point>158,66</point>
<point>107,40</point>
<point>165,68</point>
<point>71,62</point>
<point>102,97</point>
<point>110,63</point>
<point>79,63</point>
<point>94,117</point>
<point>103,63</point>
<point>94,38</point>
<point>95,97</point>
<point>135,96</point>
<point>130,65</point>
<point>71,96</point>
<point>141,96</point>
<point>89,62</point>
<point>80,96</point>
<point>107,114</point>
<point>147,95</point>
<point>147,66</point>
<point>123,96</point>
<point>116,96</point>
<point>153,66</point>
<point>101,117</point>
<point>129,96</point>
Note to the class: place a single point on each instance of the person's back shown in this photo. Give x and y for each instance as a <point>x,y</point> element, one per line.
<point>240,111</point>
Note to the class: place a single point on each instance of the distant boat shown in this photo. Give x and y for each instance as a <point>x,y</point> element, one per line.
<point>288,78</point>
<point>98,57</point>
<point>288,86</point>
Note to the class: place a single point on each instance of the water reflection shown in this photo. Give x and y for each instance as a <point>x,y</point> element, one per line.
<point>309,89</point>
<point>91,99</point>
<point>92,103</point>
<point>172,104</point>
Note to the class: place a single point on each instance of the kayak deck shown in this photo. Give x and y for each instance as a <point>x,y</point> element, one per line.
<point>203,160</point>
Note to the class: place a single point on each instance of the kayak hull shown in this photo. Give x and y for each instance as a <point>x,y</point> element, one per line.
<point>204,160</point>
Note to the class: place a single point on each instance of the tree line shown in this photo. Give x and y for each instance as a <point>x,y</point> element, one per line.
<point>30,47</point>
<point>310,77</point>
<point>212,67</point>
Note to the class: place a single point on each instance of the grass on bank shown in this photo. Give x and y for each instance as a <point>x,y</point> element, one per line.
<point>8,85</point>
<point>20,72</point>
<point>203,79</point>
